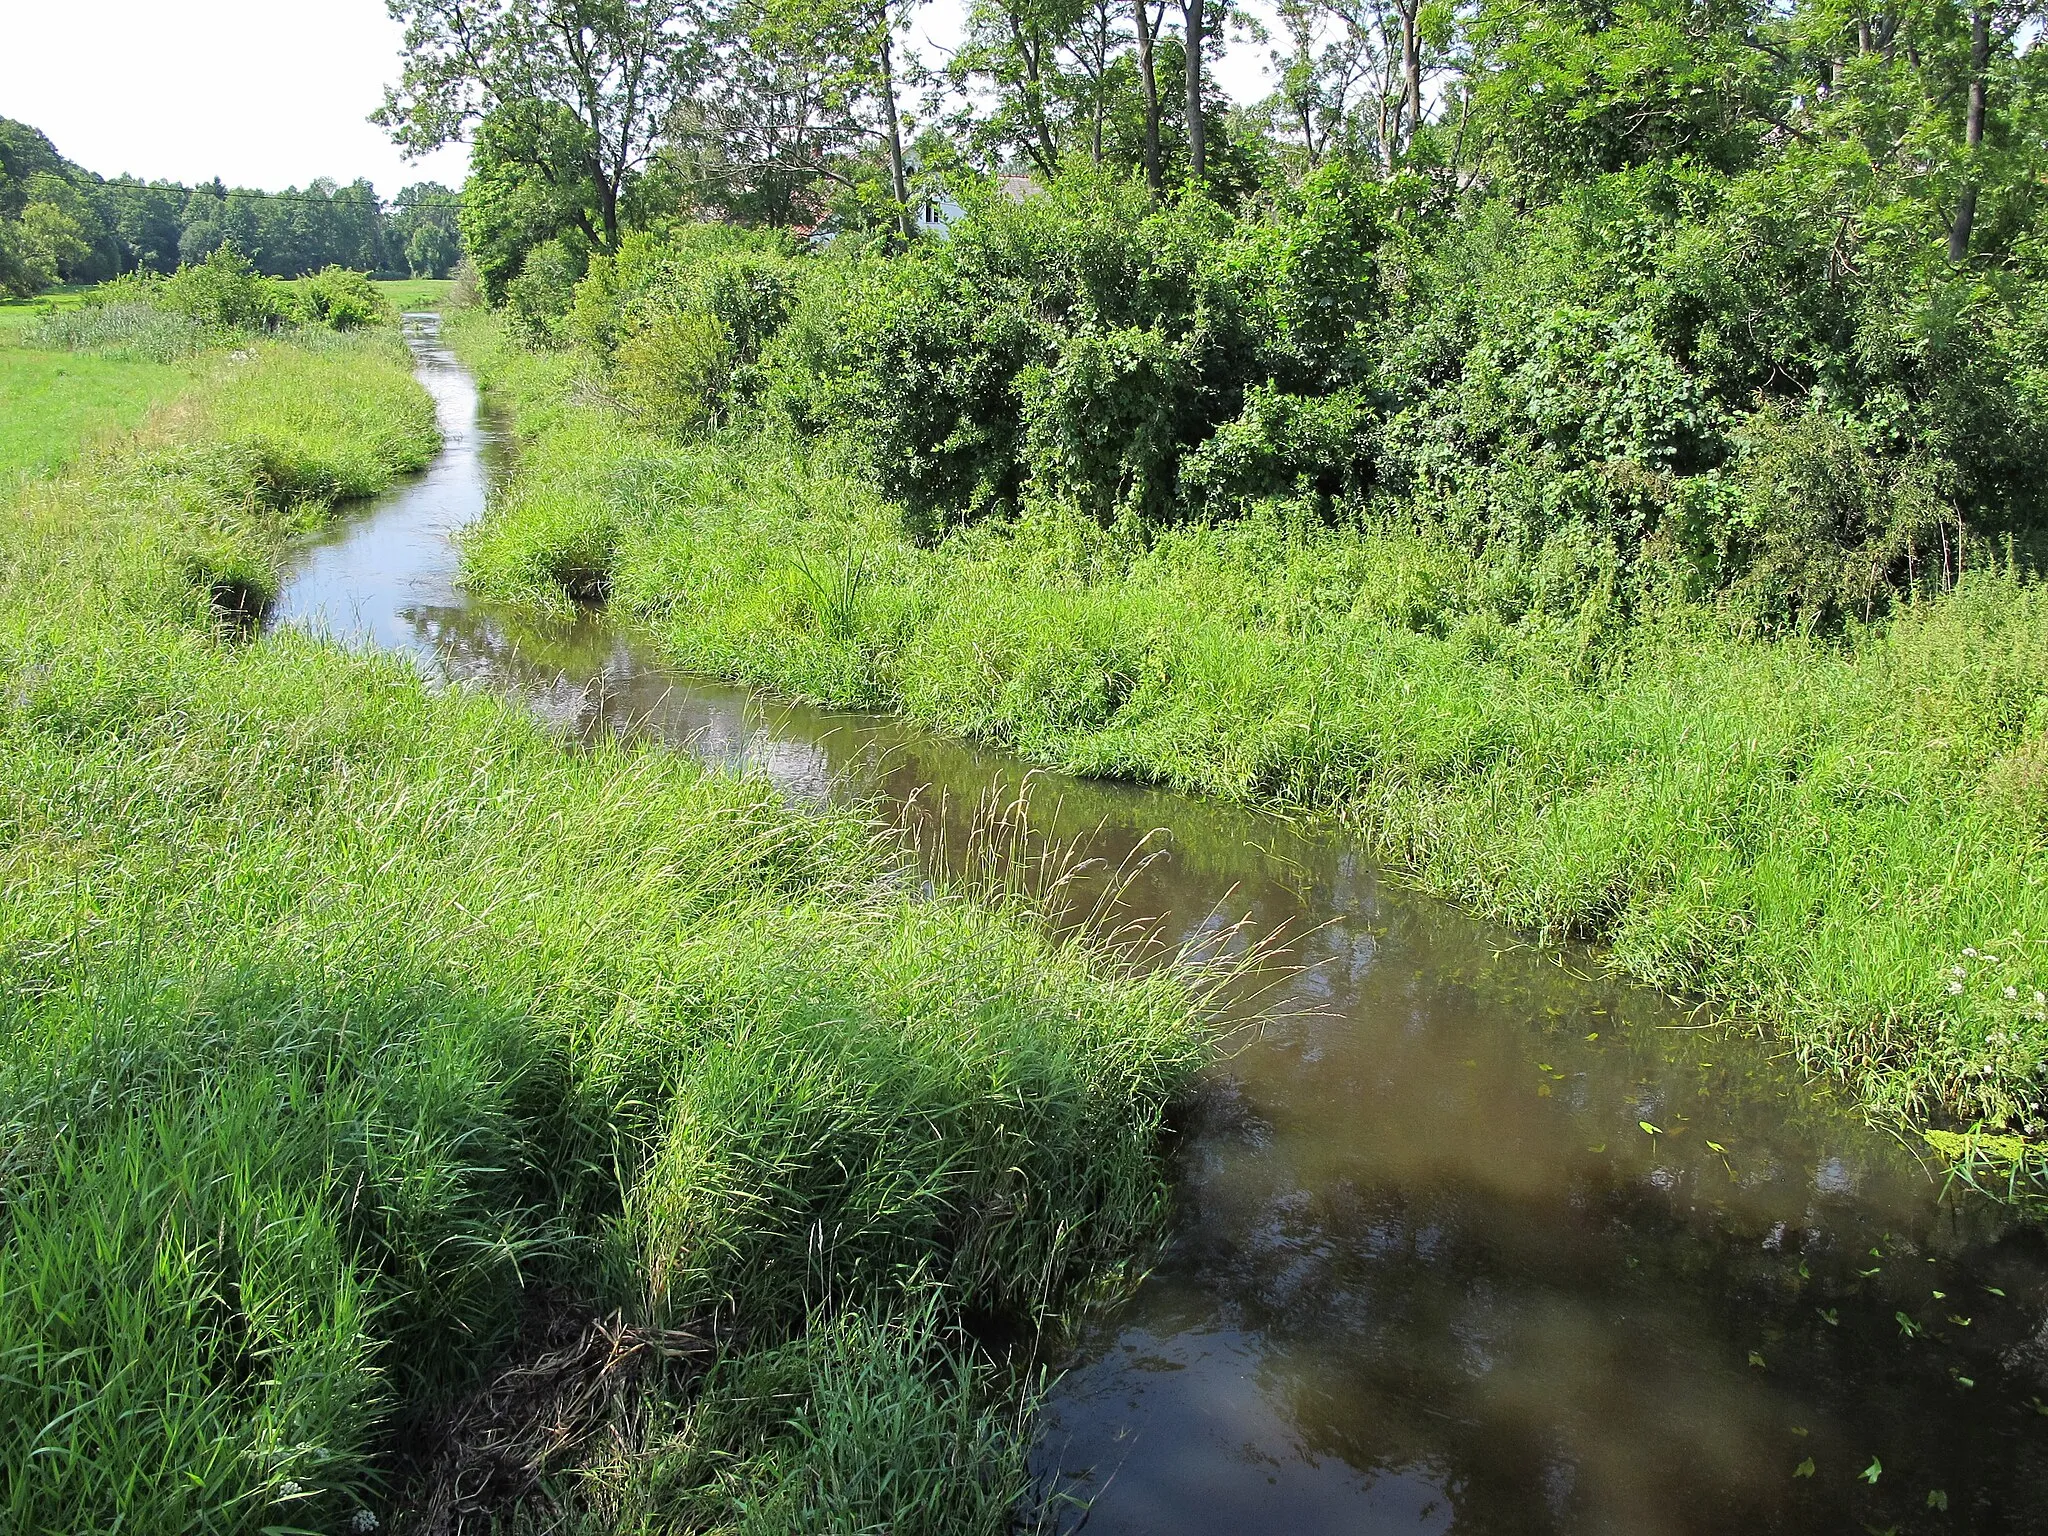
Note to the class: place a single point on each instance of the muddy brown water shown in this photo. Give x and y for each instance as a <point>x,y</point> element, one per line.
<point>1429,1270</point>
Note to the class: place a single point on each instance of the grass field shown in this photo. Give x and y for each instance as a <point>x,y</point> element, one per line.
<point>360,1044</point>
<point>1844,841</point>
<point>417,293</point>
<point>15,313</point>
<point>53,404</point>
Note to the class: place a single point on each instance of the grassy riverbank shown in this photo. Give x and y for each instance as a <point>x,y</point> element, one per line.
<point>399,1107</point>
<point>1840,839</point>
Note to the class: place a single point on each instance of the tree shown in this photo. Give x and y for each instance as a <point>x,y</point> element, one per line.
<point>53,241</point>
<point>613,68</point>
<point>801,89</point>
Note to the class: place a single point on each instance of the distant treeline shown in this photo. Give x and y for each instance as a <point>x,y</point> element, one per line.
<point>62,223</point>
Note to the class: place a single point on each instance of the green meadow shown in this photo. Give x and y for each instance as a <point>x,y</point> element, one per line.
<point>52,402</point>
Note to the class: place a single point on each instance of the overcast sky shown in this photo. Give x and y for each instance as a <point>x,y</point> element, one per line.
<point>261,93</point>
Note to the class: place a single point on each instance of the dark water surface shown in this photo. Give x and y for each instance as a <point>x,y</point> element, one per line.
<point>1430,1270</point>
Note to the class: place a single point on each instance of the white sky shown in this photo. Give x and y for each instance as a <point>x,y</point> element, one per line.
<point>262,93</point>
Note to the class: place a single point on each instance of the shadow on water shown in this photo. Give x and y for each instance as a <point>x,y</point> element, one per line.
<point>1469,1237</point>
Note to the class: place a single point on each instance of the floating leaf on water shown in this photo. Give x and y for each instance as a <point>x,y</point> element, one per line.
<point>1873,1472</point>
<point>1867,1273</point>
<point>1799,1430</point>
<point>1649,1129</point>
<point>1960,1322</point>
<point>1543,1090</point>
<point>1907,1326</point>
<point>1994,1290</point>
<point>1594,1036</point>
<point>1600,1147</point>
<point>1829,1316</point>
<point>1964,1381</point>
<point>1544,1066</point>
<point>1757,1360</point>
<point>1941,1295</point>
<point>1804,1469</point>
<point>1715,1146</point>
<point>1937,1499</point>
<point>2039,1407</point>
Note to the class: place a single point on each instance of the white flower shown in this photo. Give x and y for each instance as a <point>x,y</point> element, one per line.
<point>1955,988</point>
<point>1971,953</point>
<point>363,1523</point>
<point>1958,971</point>
<point>290,1490</point>
<point>2012,992</point>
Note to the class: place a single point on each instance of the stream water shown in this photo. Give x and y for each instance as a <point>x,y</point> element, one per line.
<point>1432,1269</point>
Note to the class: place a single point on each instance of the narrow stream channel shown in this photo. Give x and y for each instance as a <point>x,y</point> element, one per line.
<point>1431,1269</point>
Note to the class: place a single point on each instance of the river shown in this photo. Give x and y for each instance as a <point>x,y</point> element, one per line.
<point>1468,1236</point>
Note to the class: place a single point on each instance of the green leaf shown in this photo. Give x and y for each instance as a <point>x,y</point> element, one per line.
<point>1649,1129</point>
<point>1873,1472</point>
<point>1937,1499</point>
<point>1756,1360</point>
<point>1804,1469</point>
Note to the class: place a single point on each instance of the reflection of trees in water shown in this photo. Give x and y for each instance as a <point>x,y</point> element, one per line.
<point>1593,1340</point>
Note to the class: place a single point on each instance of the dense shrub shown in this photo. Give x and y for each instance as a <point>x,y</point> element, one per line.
<point>1667,372</point>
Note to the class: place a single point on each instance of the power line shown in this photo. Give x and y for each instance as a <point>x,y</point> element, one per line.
<point>205,188</point>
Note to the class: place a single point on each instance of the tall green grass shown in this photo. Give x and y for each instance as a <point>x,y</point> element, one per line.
<point>346,1027</point>
<point>1840,839</point>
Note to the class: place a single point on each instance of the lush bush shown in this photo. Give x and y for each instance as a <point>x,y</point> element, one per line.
<point>224,292</point>
<point>341,300</point>
<point>1666,371</point>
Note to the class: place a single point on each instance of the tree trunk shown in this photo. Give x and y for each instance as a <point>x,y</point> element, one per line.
<point>1973,135</point>
<point>1411,70</point>
<point>899,181</point>
<point>1148,78</point>
<point>1192,31</point>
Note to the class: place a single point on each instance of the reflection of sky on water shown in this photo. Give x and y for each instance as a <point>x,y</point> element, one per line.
<point>1467,1238</point>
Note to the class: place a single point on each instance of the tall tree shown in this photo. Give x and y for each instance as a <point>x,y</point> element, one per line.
<point>615,66</point>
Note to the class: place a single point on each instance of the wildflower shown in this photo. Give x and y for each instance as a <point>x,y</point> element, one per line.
<point>290,1490</point>
<point>1955,989</point>
<point>1958,972</point>
<point>1971,953</point>
<point>2012,992</point>
<point>364,1523</point>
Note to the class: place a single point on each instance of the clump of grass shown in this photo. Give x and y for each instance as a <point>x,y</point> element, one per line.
<point>132,332</point>
<point>340,1019</point>
<point>1821,834</point>
<point>855,1424</point>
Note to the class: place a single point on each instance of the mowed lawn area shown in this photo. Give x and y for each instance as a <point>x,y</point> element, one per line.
<point>53,403</point>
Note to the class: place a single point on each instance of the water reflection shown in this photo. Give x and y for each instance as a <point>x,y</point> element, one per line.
<point>1469,1239</point>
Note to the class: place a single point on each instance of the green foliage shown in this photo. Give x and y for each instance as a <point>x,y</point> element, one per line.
<point>342,300</point>
<point>539,298</point>
<point>224,292</point>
